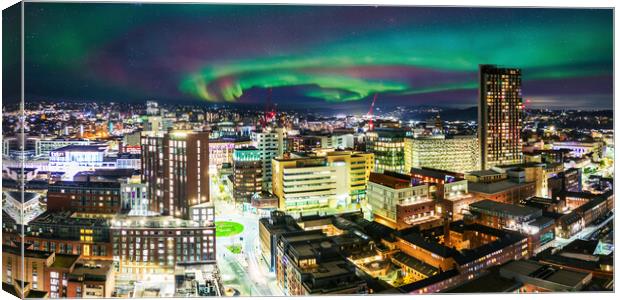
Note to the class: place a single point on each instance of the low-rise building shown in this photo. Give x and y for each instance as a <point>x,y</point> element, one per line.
<point>85,197</point>
<point>537,277</point>
<point>309,263</point>
<point>461,252</point>
<point>157,244</point>
<point>529,221</point>
<point>397,203</point>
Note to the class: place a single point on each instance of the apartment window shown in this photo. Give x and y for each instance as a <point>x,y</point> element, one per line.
<point>35,276</point>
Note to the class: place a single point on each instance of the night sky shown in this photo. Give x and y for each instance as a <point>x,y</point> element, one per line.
<point>313,56</point>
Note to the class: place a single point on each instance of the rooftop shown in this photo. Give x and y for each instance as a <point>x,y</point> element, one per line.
<point>494,187</point>
<point>81,148</point>
<point>415,264</point>
<point>391,180</point>
<point>65,218</point>
<point>64,261</point>
<point>18,196</point>
<point>504,208</point>
<point>541,272</point>
<point>434,173</point>
<point>488,283</point>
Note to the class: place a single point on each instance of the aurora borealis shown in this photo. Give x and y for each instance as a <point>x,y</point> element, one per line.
<point>313,55</point>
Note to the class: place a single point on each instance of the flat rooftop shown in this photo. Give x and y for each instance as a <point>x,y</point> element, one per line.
<point>388,180</point>
<point>81,148</point>
<point>538,271</point>
<point>493,187</point>
<point>504,208</point>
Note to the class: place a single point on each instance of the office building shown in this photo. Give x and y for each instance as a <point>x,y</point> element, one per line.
<point>457,154</point>
<point>72,159</point>
<point>317,181</point>
<point>388,146</point>
<point>397,203</point>
<point>134,197</point>
<point>247,173</point>
<point>270,143</point>
<point>308,183</point>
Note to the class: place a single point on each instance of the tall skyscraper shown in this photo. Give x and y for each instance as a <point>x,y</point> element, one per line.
<point>500,116</point>
<point>176,169</point>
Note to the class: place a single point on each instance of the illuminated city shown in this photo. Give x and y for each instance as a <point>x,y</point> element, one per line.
<point>191,150</point>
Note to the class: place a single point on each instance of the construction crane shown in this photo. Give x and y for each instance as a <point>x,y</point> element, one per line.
<point>270,111</point>
<point>371,125</point>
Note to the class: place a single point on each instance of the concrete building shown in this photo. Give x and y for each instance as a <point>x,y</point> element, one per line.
<point>155,245</point>
<point>76,158</point>
<point>269,230</point>
<point>309,181</point>
<point>308,184</point>
<point>456,199</point>
<point>456,154</point>
<point>271,145</point>
<point>580,149</point>
<point>134,197</point>
<point>398,204</point>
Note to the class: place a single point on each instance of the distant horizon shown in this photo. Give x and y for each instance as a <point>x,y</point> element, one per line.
<point>290,106</point>
<point>308,56</point>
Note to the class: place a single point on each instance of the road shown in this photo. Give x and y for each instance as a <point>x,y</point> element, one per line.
<point>244,272</point>
<point>583,234</point>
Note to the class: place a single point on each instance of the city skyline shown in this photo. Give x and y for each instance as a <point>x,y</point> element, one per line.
<point>254,150</point>
<point>312,56</point>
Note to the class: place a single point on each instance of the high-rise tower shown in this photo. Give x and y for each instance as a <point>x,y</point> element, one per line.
<point>500,116</point>
<point>175,166</point>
